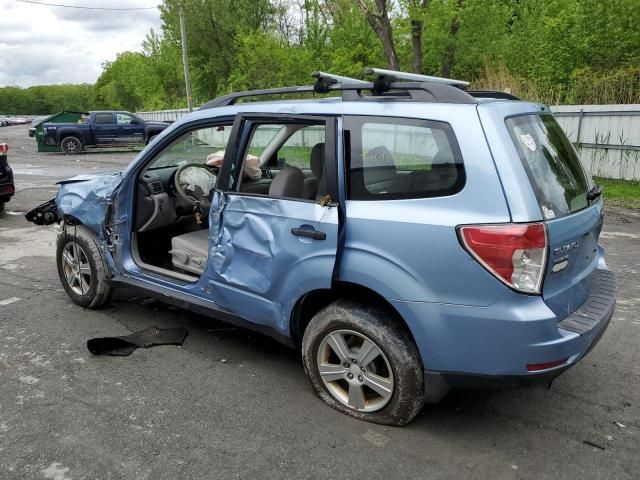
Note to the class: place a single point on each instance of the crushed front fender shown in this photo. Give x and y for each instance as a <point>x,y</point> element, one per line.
<point>87,199</point>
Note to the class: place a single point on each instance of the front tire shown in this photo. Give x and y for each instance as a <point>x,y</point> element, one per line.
<point>81,267</point>
<point>71,145</point>
<point>363,364</point>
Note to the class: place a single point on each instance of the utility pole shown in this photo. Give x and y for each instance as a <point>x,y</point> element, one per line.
<point>185,61</point>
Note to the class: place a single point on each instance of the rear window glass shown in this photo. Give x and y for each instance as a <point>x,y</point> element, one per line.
<point>401,158</point>
<point>554,169</point>
<point>103,118</point>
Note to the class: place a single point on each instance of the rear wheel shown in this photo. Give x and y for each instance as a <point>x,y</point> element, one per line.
<point>363,364</point>
<point>71,145</point>
<point>81,268</point>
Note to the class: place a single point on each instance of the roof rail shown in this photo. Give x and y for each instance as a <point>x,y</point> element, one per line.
<point>382,88</point>
<point>385,87</point>
<point>230,99</point>
<point>394,75</point>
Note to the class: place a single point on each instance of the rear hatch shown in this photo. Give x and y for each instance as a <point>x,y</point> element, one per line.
<point>562,188</point>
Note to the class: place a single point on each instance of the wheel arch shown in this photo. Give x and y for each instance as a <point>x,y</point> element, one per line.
<point>153,133</point>
<point>312,302</point>
<point>65,133</point>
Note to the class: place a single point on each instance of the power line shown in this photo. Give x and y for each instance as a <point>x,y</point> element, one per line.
<point>83,7</point>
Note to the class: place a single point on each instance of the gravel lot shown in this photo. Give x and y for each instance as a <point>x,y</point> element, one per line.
<point>231,403</point>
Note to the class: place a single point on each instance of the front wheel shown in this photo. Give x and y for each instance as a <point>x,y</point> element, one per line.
<point>81,268</point>
<point>71,145</point>
<point>362,363</point>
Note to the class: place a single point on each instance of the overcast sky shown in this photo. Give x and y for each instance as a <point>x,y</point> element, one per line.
<point>42,45</point>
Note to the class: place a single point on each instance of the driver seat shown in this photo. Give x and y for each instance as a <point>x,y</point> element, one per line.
<point>190,251</point>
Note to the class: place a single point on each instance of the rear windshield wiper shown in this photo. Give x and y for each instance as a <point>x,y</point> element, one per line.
<point>594,193</point>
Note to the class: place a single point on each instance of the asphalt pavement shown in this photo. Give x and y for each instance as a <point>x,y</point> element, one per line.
<point>234,404</point>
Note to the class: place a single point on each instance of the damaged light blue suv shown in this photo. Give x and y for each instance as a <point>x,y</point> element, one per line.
<point>408,235</point>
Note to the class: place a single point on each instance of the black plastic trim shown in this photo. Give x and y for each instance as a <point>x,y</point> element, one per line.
<point>203,307</point>
<point>492,94</point>
<point>599,305</point>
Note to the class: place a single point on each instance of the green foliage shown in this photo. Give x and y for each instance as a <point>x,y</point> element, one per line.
<point>262,61</point>
<point>623,193</point>
<point>43,100</point>
<point>554,51</point>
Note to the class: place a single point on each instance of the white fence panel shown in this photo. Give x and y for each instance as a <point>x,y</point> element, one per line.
<point>164,115</point>
<point>606,136</point>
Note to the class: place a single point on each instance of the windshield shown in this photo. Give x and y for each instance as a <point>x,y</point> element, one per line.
<point>554,169</point>
<point>194,147</point>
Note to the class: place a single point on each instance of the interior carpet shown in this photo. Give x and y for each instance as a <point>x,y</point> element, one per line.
<point>149,337</point>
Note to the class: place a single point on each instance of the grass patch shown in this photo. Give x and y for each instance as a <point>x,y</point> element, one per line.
<point>623,193</point>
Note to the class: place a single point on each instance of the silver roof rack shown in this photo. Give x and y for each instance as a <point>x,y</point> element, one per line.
<point>324,81</point>
<point>414,77</point>
<point>388,85</point>
<point>338,78</point>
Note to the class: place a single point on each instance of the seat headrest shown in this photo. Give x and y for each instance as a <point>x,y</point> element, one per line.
<point>316,162</point>
<point>379,166</point>
<point>289,182</point>
<point>379,157</point>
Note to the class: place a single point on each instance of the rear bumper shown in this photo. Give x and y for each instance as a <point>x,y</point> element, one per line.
<point>492,347</point>
<point>438,384</point>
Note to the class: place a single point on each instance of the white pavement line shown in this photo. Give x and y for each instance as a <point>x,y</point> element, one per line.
<point>618,235</point>
<point>10,300</point>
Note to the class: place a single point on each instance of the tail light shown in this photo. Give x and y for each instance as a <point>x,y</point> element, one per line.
<point>515,254</point>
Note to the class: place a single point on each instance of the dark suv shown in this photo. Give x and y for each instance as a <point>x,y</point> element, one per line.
<point>7,188</point>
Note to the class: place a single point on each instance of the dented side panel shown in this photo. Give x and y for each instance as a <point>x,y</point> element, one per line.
<point>257,267</point>
<point>87,199</point>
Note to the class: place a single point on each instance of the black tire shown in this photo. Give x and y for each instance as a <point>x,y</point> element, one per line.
<point>1,206</point>
<point>152,138</point>
<point>99,291</point>
<point>381,328</point>
<point>71,145</point>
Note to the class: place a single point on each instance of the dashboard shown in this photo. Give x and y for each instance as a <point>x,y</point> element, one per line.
<point>158,204</point>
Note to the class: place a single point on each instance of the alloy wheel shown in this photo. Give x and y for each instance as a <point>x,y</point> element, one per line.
<point>355,371</point>
<point>77,271</point>
<point>70,146</point>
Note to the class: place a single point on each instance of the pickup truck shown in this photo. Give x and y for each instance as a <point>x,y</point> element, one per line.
<point>101,129</point>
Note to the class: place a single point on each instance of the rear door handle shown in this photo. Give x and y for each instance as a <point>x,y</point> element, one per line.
<point>303,232</point>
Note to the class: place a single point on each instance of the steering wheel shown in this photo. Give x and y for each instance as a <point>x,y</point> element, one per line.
<point>194,182</point>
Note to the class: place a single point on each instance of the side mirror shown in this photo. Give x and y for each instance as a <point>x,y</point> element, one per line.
<point>135,121</point>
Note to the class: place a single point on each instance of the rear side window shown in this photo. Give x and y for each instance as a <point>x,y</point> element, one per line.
<point>123,119</point>
<point>554,169</point>
<point>395,158</point>
<point>103,118</point>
